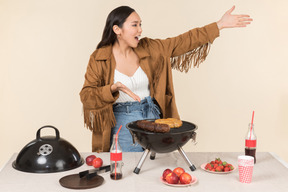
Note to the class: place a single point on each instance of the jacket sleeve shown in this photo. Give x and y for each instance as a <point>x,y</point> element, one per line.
<point>97,98</point>
<point>190,48</point>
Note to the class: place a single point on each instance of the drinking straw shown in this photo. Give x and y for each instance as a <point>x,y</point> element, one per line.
<point>251,125</point>
<point>121,127</point>
<point>117,136</point>
<point>116,147</point>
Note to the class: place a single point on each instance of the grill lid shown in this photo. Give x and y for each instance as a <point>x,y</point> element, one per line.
<point>48,154</point>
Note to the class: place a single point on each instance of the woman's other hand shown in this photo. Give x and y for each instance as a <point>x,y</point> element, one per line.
<point>118,86</point>
<point>229,21</point>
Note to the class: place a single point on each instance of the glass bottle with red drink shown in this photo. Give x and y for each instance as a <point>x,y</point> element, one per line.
<point>116,159</point>
<point>250,142</point>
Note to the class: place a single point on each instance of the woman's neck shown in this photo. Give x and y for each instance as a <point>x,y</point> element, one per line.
<point>121,49</point>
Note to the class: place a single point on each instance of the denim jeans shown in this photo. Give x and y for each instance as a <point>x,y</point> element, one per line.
<point>128,112</point>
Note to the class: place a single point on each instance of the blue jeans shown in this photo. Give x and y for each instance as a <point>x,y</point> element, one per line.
<point>128,112</point>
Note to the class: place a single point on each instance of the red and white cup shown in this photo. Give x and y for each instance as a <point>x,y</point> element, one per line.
<point>245,167</point>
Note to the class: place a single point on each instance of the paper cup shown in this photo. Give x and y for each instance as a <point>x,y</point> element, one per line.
<point>245,167</point>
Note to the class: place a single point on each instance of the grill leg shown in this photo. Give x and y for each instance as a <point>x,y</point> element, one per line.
<point>140,163</point>
<point>182,153</point>
<point>152,156</point>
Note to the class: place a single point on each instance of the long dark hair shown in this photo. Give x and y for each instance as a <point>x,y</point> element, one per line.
<point>116,17</point>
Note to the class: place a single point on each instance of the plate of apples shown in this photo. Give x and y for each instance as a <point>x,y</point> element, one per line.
<point>177,177</point>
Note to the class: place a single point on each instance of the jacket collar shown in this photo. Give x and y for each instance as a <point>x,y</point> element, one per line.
<point>141,52</point>
<point>105,53</point>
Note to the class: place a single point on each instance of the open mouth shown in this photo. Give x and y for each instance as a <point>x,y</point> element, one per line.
<point>137,38</point>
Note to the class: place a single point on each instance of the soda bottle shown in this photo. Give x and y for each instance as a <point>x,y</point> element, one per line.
<point>116,159</point>
<point>250,142</point>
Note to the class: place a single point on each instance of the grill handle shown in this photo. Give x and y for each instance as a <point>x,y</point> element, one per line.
<point>133,137</point>
<point>38,137</point>
<point>193,138</point>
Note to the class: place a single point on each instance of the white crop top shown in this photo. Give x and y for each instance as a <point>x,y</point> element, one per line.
<point>138,84</point>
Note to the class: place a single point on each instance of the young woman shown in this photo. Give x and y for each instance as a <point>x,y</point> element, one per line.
<point>129,78</point>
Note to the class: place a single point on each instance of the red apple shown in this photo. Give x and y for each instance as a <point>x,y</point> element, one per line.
<point>97,162</point>
<point>89,159</point>
<point>178,171</point>
<point>172,178</point>
<point>165,173</point>
<point>185,178</point>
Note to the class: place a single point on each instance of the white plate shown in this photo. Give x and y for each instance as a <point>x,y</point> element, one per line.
<point>194,180</point>
<point>204,164</point>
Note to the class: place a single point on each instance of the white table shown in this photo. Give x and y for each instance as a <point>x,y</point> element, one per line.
<point>269,175</point>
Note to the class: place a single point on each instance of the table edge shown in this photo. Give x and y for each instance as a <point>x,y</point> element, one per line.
<point>284,163</point>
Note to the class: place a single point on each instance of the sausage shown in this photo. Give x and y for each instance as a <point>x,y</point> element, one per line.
<point>152,126</point>
<point>161,128</point>
<point>146,125</point>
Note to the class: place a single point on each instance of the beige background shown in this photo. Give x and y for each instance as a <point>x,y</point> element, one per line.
<point>45,47</point>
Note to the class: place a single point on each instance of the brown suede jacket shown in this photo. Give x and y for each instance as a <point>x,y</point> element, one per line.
<point>157,58</point>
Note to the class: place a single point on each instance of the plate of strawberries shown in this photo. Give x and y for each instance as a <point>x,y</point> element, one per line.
<point>218,166</point>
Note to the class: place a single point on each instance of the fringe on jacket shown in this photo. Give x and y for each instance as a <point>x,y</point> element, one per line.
<point>192,58</point>
<point>96,120</point>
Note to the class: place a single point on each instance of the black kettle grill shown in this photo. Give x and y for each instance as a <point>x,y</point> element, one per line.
<point>163,142</point>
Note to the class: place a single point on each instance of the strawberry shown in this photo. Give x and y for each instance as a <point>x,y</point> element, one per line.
<point>231,167</point>
<point>208,166</point>
<point>218,160</point>
<point>226,169</point>
<point>224,163</point>
<point>218,169</point>
<point>221,167</point>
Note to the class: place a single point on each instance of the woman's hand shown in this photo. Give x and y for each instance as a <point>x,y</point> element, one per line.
<point>118,86</point>
<point>229,21</point>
